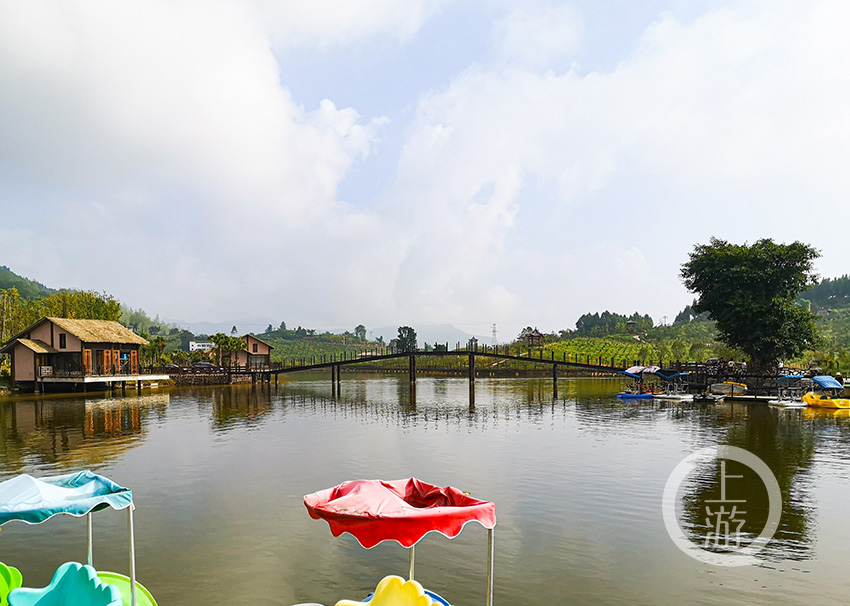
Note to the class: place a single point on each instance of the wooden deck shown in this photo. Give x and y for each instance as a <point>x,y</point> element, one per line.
<point>104,378</point>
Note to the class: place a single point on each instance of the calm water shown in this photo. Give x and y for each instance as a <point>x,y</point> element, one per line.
<point>219,474</point>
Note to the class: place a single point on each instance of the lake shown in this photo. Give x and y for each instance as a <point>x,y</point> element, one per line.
<point>219,474</point>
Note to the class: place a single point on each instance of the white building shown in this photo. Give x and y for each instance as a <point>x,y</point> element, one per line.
<point>200,346</point>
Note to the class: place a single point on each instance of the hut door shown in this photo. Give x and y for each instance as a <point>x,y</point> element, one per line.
<point>87,361</point>
<point>134,362</point>
<point>105,359</point>
<point>116,361</point>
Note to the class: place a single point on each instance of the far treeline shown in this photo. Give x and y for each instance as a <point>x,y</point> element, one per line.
<point>781,313</point>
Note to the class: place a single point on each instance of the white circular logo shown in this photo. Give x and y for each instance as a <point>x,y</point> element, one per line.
<point>734,555</point>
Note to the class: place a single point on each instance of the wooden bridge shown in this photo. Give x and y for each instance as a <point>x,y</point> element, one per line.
<point>700,375</point>
<point>539,357</point>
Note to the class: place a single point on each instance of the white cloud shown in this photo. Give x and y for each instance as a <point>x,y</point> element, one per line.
<point>538,36</point>
<point>163,118</point>
<point>326,23</point>
<point>727,125</point>
<point>158,148</point>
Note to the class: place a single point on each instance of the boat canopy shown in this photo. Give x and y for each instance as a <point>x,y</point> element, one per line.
<point>374,511</point>
<point>34,500</point>
<point>788,379</point>
<point>638,370</point>
<point>827,382</point>
<point>677,375</point>
<point>629,374</point>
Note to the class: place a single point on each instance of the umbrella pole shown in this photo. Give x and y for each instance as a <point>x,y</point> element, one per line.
<point>412,547</point>
<point>88,524</point>
<point>492,554</point>
<point>132,555</point>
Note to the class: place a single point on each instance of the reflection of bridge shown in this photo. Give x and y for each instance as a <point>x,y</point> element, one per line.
<point>335,362</point>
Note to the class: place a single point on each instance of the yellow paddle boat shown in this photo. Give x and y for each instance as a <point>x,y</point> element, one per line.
<point>827,393</point>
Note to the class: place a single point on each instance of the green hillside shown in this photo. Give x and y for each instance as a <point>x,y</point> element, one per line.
<point>28,289</point>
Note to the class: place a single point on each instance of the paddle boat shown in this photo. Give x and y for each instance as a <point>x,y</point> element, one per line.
<point>35,501</point>
<point>789,392</point>
<point>639,389</point>
<point>728,388</point>
<point>674,387</point>
<point>404,511</point>
<point>826,392</point>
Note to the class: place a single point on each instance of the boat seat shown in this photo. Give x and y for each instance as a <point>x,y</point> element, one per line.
<point>10,578</point>
<point>394,591</point>
<point>73,584</point>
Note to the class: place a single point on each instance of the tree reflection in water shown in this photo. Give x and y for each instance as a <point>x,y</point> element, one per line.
<point>785,442</point>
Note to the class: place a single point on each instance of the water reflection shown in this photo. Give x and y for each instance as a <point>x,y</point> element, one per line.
<point>785,443</point>
<point>240,406</point>
<point>72,433</point>
<point>430,402</point>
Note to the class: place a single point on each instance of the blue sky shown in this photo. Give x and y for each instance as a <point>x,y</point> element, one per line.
<point>429,162</point>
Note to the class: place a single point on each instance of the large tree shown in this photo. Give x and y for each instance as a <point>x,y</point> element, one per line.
<point>406,340</point>
<point>750,292</point>
<point>225,348</point>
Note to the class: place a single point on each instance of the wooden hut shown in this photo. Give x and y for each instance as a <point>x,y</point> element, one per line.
<point>65,353</point>
<point>256,354</point>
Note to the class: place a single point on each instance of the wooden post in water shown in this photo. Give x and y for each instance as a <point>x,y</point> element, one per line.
<point>471,369</point>
<point>555,381</point>
<point>412,369</point>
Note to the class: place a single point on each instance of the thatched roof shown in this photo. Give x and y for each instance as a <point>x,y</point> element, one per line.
<point>98,331</point>
<point>39,347</point>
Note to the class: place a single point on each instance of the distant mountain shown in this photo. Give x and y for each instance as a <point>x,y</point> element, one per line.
<point>429,333</point>
<point>29,289</point>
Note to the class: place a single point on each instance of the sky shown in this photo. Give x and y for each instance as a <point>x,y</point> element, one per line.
<point>469,162</point>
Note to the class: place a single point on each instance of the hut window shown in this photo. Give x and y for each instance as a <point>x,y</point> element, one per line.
<point>255,348</point>
<point>62,342</point>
